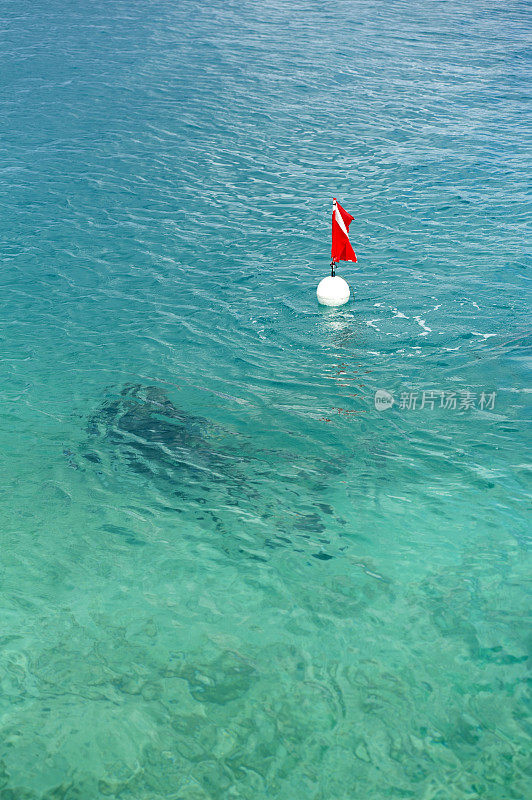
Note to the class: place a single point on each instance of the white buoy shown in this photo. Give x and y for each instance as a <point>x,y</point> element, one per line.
<point>333,291</point>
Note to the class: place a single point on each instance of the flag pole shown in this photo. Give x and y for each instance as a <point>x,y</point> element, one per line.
<point>332,269</point>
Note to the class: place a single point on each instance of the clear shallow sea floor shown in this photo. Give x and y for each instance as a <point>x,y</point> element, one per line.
<point>223,572</point>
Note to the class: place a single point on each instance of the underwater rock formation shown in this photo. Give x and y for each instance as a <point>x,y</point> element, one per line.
<point>202,475</point>
<point>155,437</point>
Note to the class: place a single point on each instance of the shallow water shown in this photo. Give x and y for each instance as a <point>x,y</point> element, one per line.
<point>224,573</point>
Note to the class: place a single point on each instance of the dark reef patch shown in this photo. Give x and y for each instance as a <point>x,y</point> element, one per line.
<point>203,473</point>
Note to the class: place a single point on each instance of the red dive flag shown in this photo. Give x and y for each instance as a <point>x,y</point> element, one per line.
<point>341,249</point>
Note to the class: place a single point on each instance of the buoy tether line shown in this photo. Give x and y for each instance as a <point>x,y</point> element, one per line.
<point>333,290</point>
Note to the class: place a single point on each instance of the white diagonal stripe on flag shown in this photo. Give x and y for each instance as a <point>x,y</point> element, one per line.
<point>339,219</point>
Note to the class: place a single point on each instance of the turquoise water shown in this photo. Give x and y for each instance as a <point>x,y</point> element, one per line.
<point>224,572</point>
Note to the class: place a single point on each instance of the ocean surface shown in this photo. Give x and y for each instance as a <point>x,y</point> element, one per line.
<point>224,572</point>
